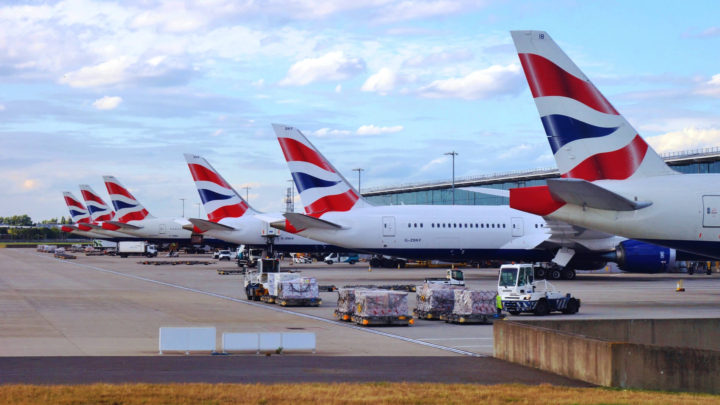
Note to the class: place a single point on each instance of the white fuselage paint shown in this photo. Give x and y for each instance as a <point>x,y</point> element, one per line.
<point>158,228</point>
<point>675,219</point>
<point>248,230</point>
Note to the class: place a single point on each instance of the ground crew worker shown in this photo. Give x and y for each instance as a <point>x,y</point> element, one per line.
<point>498,302</point>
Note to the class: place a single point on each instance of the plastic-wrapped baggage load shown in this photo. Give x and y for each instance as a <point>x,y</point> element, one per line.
<point>381,303</point>
<point>346,300</point>
<point>473,302</point>
<point>275,279</point>
<point>436,298</point>
<point>298,288</point>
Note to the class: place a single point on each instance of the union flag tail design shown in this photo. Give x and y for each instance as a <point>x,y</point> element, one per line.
<point>589,138</point>
<point>99,211</point>
<point>219,198</point>
<point>78,212</point>
<point>126,206</point>
<point>322,188</point>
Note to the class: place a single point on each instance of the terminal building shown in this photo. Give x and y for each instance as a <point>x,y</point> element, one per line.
<point>440,193</point>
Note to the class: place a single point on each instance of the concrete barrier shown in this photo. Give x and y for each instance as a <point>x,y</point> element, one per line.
<point>257,342</point>
<point>187,339</point>
<point>240,342</point>
<point>666,354</point>
<point>297,341</point>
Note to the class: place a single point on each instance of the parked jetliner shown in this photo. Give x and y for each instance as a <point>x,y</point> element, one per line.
<point>133,219</point>
<point>336,213</point>
<point>612,180</point>
<point>230,217</point>
<point>83,225</point>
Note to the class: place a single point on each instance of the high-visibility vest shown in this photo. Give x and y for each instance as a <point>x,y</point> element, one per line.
<point>498,300</point>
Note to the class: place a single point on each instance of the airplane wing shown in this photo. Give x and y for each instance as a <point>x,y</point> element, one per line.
<point>530,241</point>
<point>302,221</point>
<point>123,225</point>
<point>486,190</point>
<point>584,193</point>
<point>205,225</point>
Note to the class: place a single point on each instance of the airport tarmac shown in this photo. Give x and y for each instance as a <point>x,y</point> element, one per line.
<point>110,306</point>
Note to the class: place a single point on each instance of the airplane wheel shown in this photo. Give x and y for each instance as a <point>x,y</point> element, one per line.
<point>568,274</point>
<point>555,274</point>
<point>375,262</point>
<point>514,313</point>
<point>542,308</point>
<point>540,273</point>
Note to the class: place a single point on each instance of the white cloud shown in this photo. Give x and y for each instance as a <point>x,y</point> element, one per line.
<point>107,103</point>
<point>2,107</point>
<point>104,74</point>
<point>332,66</point>
<point>325,132</point>
<point>381,82</point>
<point>433,163</point>
<point>493,81</point>
<point>338,88</point>
<point>374,130</point>
<point>218,132</point>
<point>687,138</point>
<point>711,87</point>
<point>414,9</point>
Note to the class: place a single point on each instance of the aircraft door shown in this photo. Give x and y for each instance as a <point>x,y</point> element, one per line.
<point>517,226</point>
<point>711,211</point>
<point>161,229</point>
<point>388,226</point>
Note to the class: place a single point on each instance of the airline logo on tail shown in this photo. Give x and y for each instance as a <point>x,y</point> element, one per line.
<point>99,210</point>
<point>219,199</point>
<point>126,206</point>
<point>322,189</point>
<point>78,213</point>
<point>589,138</point>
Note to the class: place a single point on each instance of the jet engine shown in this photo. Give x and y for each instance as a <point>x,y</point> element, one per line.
<point>640,257</point>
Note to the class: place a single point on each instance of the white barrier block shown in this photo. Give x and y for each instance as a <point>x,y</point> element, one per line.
<point>269,341</point>
<point>187,339</point>
<point>249,342</point>
<point>298,341</point>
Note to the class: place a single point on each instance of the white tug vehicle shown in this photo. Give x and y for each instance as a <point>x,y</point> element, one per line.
<point>520,293</point>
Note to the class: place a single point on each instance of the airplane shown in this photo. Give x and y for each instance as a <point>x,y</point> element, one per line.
<point>83,225</point>
<point>132,218</point>
<point>232,219</point>
<point>611,179</point>
<point>336,213</point>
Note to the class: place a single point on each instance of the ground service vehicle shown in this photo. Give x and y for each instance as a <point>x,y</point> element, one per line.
<point>127,248</point>
<point>339,258</point>
<point>224,255</point>
<point>249,257</point>
<point>256,281</point>
<point>520,293</point>
<point>452,277</point>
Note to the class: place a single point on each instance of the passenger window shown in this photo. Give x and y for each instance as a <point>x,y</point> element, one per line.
<point>415,225</point>
<point>421,225</point>
<point>493,225</point>
<point>408,225</point>
<point>503,225</point>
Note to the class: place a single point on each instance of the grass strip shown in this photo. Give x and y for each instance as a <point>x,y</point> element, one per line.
<point>337,393</point>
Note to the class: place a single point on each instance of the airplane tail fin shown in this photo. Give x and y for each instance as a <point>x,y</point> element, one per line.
<point>219,198</point>
<point>78,213</point>
<point>126,206</point>
<point>99,210</point>
<point>322,188</point>
<point>589,138</point>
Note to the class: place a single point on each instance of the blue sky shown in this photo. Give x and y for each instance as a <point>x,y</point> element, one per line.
<point>96,88</point>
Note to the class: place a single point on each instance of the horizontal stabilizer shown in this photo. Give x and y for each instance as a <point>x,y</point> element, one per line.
<point>489,191</point>
<point>530,241</point>
<point>205,225</point>
<point>270,218</point>
<point>584,193</point>
<point>92,226</point>
<point>302,221</point>
<point>123,225</point>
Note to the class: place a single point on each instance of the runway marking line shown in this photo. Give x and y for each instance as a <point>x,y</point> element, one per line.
<point>272,308</point>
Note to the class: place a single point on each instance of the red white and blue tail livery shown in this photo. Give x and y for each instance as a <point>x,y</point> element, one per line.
<point>126,206</point>
<point>219,198</point>
<point>322,188</point>
<point>99,210</point>
<point>78,212</point>
<point>611,179</point>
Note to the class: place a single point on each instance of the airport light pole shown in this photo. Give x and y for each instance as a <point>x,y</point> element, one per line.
<point>453,154</point>
<point>292,195</point>
<point>359,170</point>
<point>198,204</point>
<point>183,207</point>
<point>247,194</point>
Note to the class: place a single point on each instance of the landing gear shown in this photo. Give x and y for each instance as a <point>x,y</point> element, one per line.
<point>568,274</point>
<point>555,273</point>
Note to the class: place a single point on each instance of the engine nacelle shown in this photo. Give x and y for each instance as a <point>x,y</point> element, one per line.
<point>639,257</point>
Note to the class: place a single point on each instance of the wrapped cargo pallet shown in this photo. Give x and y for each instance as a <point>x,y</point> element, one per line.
<point>473,302</point>
<point>346,300</point>
<point>299,288</point>
<point>437,298</point>
<point>274,281</point>
<point>380,303</point>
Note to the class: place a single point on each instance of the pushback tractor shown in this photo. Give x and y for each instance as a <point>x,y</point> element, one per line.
<point>519,292</point>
